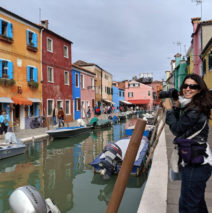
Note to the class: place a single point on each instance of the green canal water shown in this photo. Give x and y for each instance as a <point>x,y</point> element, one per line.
<point>60,170</point>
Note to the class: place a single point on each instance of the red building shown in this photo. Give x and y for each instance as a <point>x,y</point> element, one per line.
<point>56,73</point>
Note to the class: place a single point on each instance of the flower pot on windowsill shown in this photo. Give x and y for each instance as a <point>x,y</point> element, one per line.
<point>4,76</point>
<point>32,48</point>
<point>6,39</point>
<point>33,84</point>
<point>7,82</point>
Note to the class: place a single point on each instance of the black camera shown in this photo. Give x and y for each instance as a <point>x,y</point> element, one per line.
<point>171,93</point>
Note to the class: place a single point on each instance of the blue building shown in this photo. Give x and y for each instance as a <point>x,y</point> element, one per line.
<point>118,96</point>
<point>76,94</point>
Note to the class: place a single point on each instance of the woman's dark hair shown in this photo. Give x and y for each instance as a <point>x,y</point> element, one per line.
<point>203,99</point>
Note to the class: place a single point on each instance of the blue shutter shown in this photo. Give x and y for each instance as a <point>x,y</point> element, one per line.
<point>35,40</point>
<point>9,30</point>
<point>35,74</point>
<point>27,37</point>
<point>0,26</point>
<point>10,70</point>
<point>28,73</point>
<point>36,109</point>
<point>0,67</point>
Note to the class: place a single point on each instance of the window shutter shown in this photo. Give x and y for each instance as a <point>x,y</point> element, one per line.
<point>10,70</point>
<point>35,74</point>
<point>28,73</point>
<point>27,37</point>
<point>9,30</point>
<point>35,40</point>
<point>36,109</point>
<point>0,67</point>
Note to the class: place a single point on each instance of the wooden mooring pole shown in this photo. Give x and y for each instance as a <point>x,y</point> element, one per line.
<point>126,167</point>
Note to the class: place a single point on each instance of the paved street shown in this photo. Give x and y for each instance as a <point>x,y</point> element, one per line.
<point>174,187</point>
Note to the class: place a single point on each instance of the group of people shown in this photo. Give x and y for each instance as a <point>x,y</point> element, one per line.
<point>4,123</point>
<point>188,119</point>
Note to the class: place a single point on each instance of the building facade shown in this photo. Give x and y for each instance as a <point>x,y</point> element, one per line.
<point>87,90</point>
<point>20,68</point>
<point>139,94</point>
<point>57,76</point>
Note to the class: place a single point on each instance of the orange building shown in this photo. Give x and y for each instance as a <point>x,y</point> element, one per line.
<point>20,68</point>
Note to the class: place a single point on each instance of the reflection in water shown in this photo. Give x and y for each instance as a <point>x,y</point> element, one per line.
<point>60,170</point>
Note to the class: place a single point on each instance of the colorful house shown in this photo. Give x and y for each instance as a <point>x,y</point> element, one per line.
<point>20,68</point>
<point>201,35</point>
<point>156,89</point>
<point>139,94</point>
<point>97,80</point>
<point>118,97</point>
<point>56,73</point>
<point>76,93</point>
<point>87,90</point>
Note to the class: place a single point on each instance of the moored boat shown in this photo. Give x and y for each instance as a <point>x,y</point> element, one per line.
<point>110,160</point>
<point>65,132</point>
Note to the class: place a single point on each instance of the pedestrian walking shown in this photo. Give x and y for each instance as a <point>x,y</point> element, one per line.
<point>188,121</point>
<point>61,117</point>
<point>89,112</point>
<point>54,116</point>
<point>4,123</point>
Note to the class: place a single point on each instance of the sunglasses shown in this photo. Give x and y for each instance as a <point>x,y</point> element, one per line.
<point>191,86</point>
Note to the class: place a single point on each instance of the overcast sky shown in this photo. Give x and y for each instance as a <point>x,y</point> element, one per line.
<point>124,37</point>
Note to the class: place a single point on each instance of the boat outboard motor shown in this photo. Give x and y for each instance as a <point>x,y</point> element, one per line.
<point>113,157</point>
<point>28,199</point>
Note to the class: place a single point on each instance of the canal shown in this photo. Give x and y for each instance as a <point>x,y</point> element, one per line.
<point>60,170</point>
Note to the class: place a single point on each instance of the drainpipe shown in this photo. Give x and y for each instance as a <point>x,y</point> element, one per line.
<point>41,77</point>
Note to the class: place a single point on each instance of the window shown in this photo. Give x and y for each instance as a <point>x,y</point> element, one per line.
<point>77,80</point>
<point>66,77</point>
<point>49,45</point>
<point>67,107</point>
<point>50,74</point>
<point>149,93</point>
<point>59,105</point>
<point>77,104</point>
<point>33,110</point>
<point>6,69</point>
<point>92,83</point>
<point>6,29</point>
<point>65,51</point>
<point>49,107</point>
<point>119,93</point>
<point>130,94</point>
<point>32,39</point>
<point>82,81</point>
<point>106,77</point>
<point>210,61</point>
<point>32,74</point>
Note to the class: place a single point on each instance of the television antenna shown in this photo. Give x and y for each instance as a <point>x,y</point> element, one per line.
<point>198,2</point>
<point>178,43</point>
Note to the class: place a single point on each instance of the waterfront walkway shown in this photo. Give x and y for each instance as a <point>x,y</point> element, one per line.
<point>161,195</point>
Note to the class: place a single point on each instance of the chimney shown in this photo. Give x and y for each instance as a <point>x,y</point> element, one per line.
<point>195,22</point>
<point>177,59</point>
<point>45,23</point>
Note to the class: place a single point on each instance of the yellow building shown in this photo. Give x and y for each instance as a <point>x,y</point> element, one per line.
<point>106,86</point>
<point>20,68</point>
<point>206,56</point>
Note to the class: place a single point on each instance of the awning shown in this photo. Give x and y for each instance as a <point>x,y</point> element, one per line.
<point>5,100</point>
<point>110,102</point>
<point>125,102</point>
<point>18,99</point>
<point>156,102</point>
<point>141,101</point>
<point>35,100</point>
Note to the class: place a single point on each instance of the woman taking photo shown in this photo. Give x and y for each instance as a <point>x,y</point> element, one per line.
<point>189,118</point>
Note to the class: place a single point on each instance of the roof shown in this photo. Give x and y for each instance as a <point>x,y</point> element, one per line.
<point>49,31</point>
<point>78,67</point>
<point>19,17</point>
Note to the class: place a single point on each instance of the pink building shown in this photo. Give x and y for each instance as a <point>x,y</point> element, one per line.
<point>139,94</point>
<point>87,90</point>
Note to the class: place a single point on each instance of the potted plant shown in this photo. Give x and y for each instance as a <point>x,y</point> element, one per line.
<point>33,84</point>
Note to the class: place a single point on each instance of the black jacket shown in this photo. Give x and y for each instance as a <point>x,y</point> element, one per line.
<point>185,122</point>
